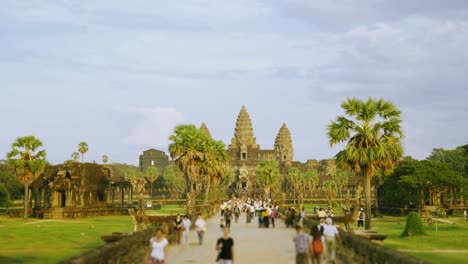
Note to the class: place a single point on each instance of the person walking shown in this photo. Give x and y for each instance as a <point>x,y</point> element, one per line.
<point>225,247</point>
<point>178,224</point>
<point>236,213</point>
<point>301,242</point>
<point>228,217</point>
<point>186,229</point>
<point>317,245</point>
<point>361,217</point>
<point>332,236</point>
<point>157,253</point>
<point>200,226</point>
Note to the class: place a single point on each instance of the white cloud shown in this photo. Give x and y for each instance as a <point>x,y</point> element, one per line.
<point>154,126</point>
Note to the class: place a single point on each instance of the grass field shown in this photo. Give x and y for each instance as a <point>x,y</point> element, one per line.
<point>167,210</point>
<point>449,244</point>
<point>50,241</point>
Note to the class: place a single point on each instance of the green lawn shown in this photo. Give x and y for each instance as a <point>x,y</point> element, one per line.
<point>49,241</point>
<point>167,209</point>
<point>448,245</point>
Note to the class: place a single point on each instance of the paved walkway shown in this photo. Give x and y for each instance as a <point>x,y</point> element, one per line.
<point>251,244</point>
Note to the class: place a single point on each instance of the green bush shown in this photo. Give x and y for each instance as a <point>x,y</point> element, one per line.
<point>4,196</point>
<point>414,225</point>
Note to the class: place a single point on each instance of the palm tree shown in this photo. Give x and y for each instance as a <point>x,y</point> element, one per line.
<point>215,166</point>
<point>82,148</point>
<point>340,177</point>
<point>293,177</point>
<point>187,150</point>
<point>28,162</point>
<point>105,159</point>
<point>174,180</point>
<point>151,175</point>
<point>330,189</point>
<point>75,156</point>
<point>373,135</point>
<point>268,175</point>
<point>312,178</point>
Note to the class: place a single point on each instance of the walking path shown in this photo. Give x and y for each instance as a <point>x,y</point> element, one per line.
<point>251,244</point>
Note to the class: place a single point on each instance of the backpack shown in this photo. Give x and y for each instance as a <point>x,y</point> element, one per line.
<point>236,210</point>
<point>317,247</point>
<point>361,216</point>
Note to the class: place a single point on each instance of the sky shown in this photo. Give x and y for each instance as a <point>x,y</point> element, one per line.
<point>120,75</point>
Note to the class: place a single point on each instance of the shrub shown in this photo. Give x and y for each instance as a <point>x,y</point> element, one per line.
<point>4,196</point>
<point>414,225</point>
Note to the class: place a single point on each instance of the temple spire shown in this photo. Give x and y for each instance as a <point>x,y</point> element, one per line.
<point>243,133</point>
<point>205,130</point>
<point>283,144</point>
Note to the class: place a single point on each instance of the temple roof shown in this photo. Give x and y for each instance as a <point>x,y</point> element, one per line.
<point>243,133</point>
<point>205,130</point>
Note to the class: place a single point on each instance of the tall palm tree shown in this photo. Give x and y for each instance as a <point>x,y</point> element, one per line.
<point>187,150</point>
<point>27,160</point>
<point>75,156</point>
<point>294,178</point>
<point>82,148</point>
<point>151,175</point>
<point>215,166</point>
<point>268,175</point>
<point>372,132</point>
<point>105,159</point>
<point>330,189</point>
<point>312,178</point>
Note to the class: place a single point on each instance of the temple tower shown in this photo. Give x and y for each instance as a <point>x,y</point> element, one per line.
<point>205,130</point>
<point>283,144</point>
<point>243,133</point>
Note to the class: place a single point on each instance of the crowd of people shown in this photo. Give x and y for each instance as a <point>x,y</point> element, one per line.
<point>317,247</point>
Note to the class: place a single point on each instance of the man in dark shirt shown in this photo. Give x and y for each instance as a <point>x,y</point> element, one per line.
<point>225,246</point>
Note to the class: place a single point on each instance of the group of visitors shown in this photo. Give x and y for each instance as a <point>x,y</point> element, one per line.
<point>157,253</point>
<point>319,246</point>
<point>265,210</point>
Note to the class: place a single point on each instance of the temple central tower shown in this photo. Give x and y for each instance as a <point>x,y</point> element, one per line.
<point>243,133</point>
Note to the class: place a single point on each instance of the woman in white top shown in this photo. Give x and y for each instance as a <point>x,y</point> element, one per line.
<point>200,224</point>
<point>158,248</point>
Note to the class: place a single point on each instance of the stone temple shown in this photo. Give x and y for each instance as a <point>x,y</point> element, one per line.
<point>244,154</point>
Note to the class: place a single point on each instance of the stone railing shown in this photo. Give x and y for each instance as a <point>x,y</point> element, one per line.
<point>356,249</point>
<point>133,249</point>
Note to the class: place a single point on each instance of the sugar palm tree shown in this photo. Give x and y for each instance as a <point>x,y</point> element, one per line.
<point>215,166</point>
<point>268,175</point>
<point>27,160</point>
<point>187,150</point>
<point>372,133</point>
<point>294,178</point>
<point>82,148</point>
<point>105,159</point>
<point>75,156</point>
<point>151,175</point>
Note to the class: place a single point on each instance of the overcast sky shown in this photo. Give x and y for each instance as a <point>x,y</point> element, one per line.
<point>121,74</point>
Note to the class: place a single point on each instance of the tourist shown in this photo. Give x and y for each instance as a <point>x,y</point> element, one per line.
<point>361,218</point>
<point>321,213</point>
<point>288,218</point>
<point>248,214</point>
<point>322,225</point>
<point>265,218</point>
<point>273,215</point>
<point>222,207</point>
<point>236,213</point>
<point>302,215</point>
<point>331,237</point>
<point>157,253</point>
<point>186,228</point>
<point>301,242</point>
<point>225,247</point>
<point>228,217</point>
<point>178,224</point>
<point>317,245</point>
<point>200,225</point>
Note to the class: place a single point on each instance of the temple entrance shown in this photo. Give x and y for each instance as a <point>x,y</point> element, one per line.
<point>63,199</point>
